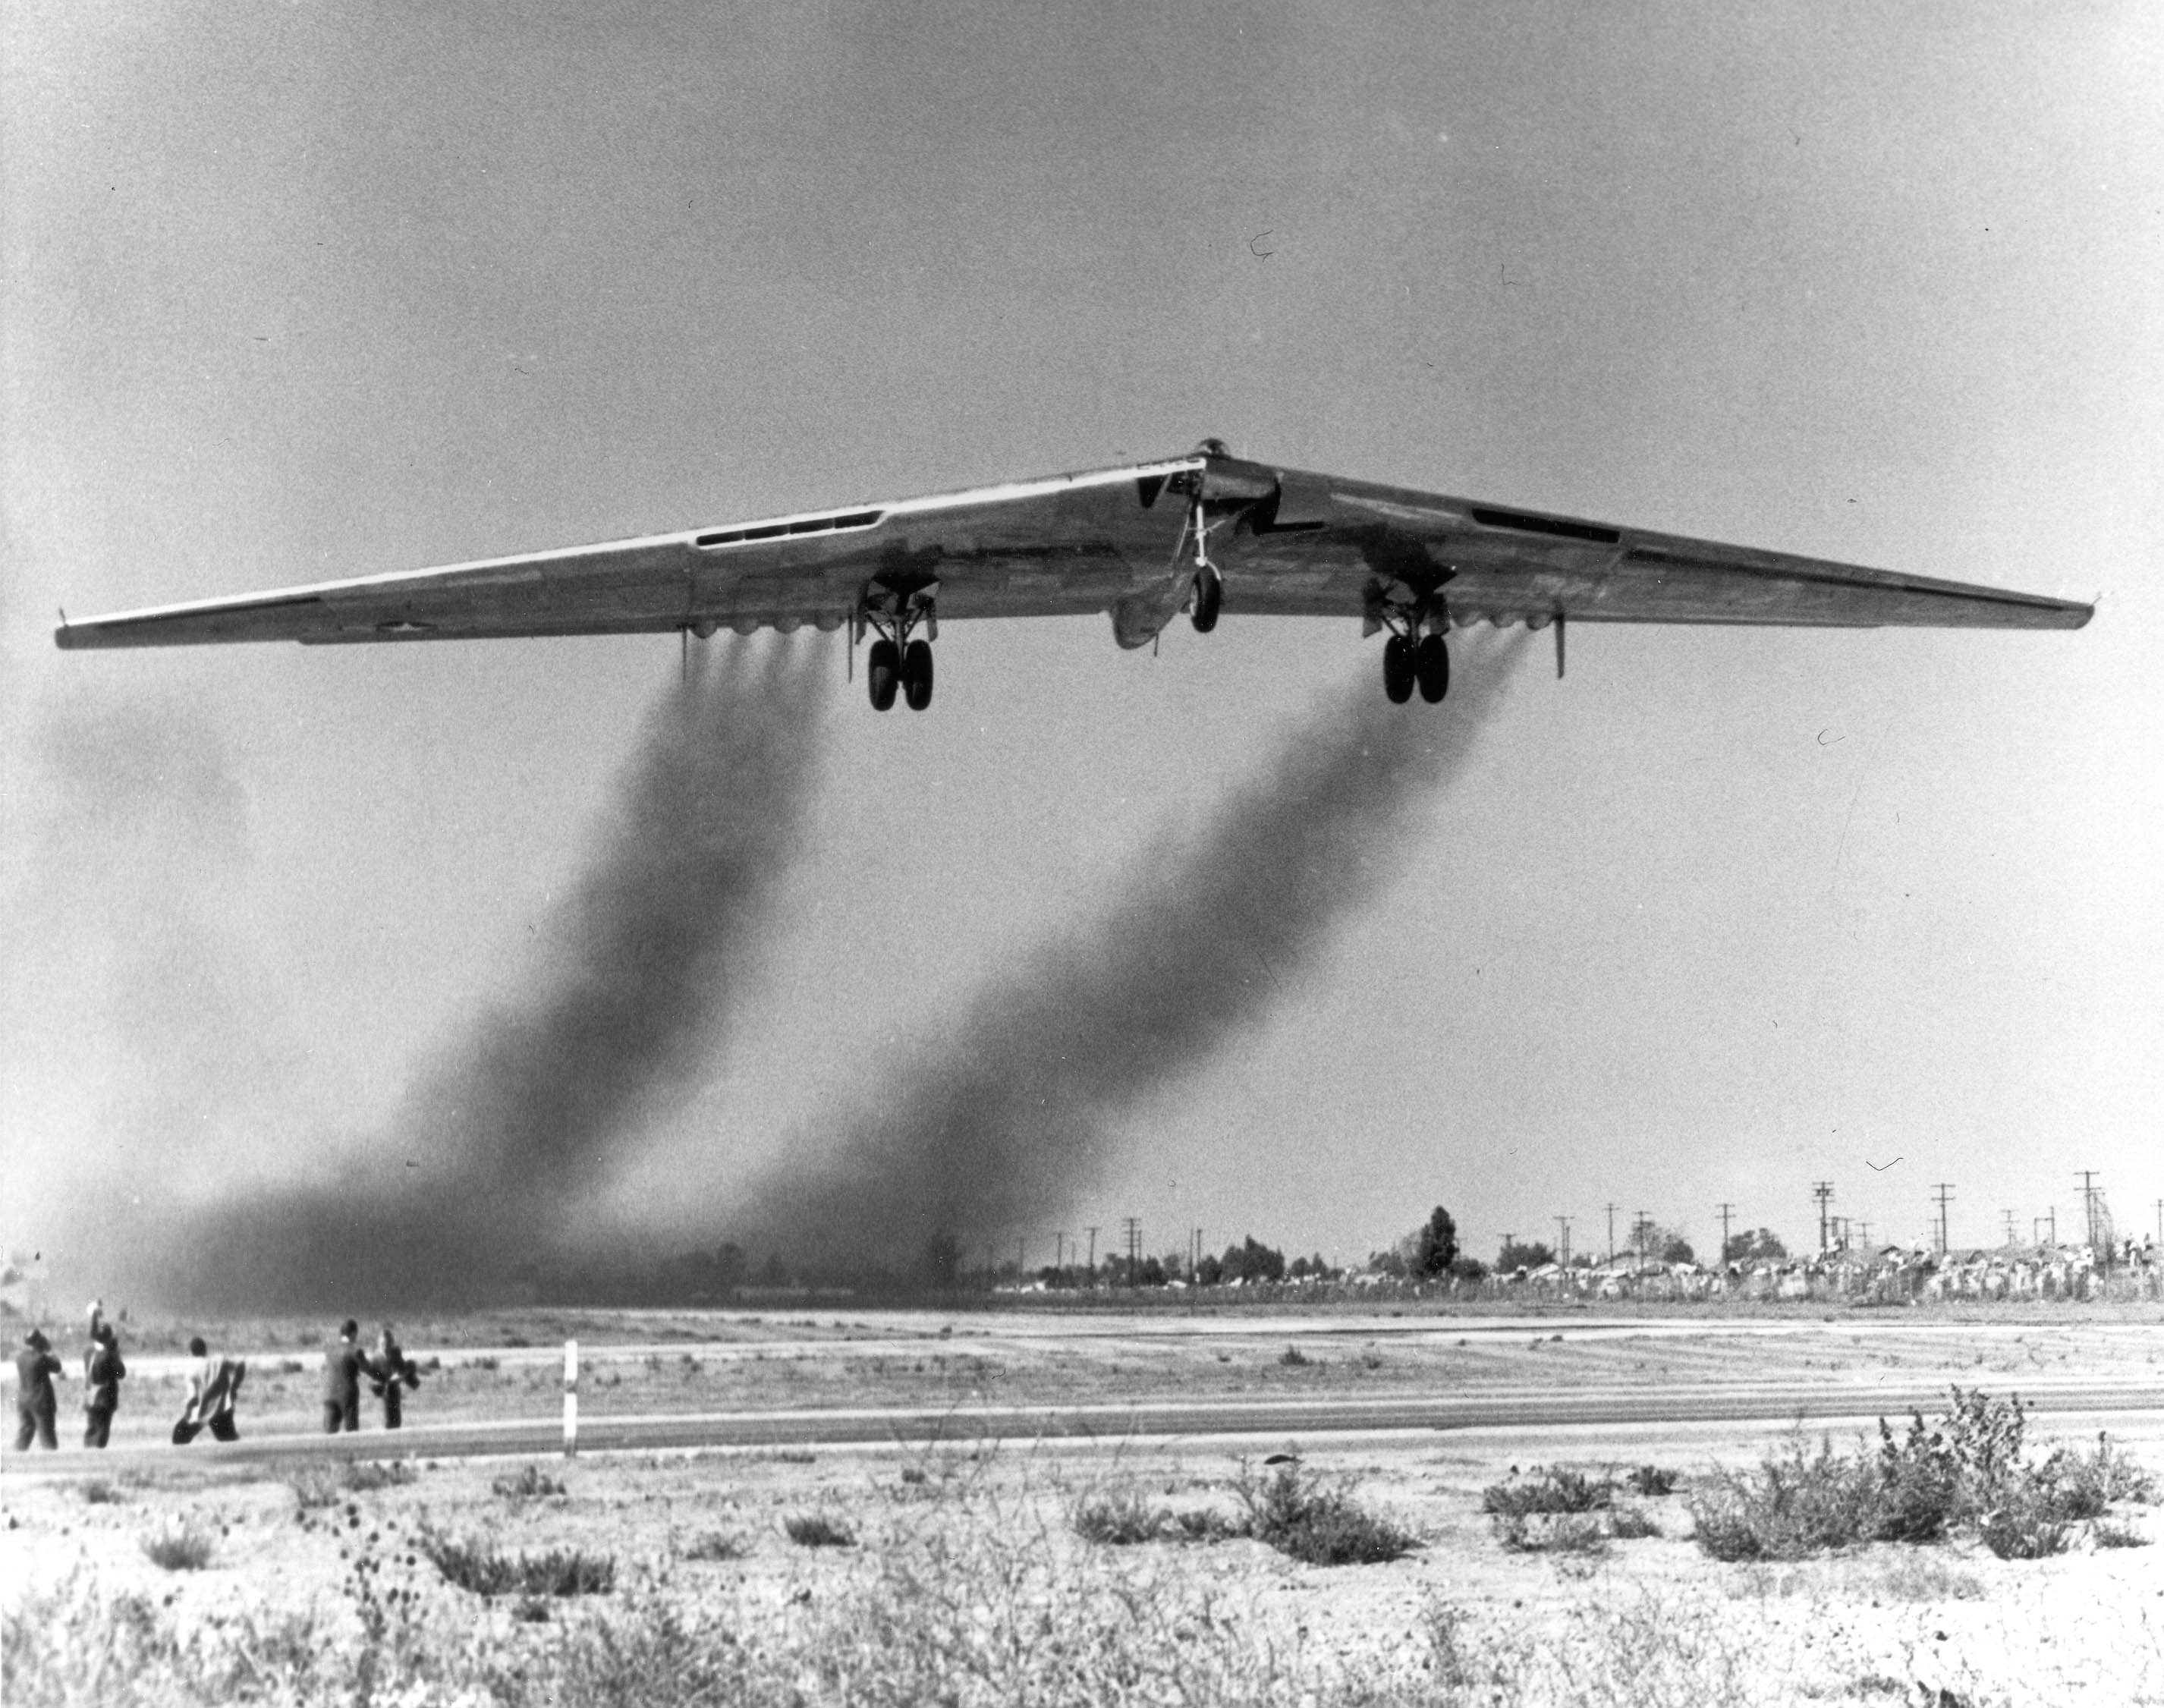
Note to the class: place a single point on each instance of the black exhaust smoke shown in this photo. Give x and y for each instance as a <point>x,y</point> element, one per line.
<point>1000,1125</point>
<point>504,1139</point>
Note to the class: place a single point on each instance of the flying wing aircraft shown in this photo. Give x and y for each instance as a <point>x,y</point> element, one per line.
<point>1202,534</point>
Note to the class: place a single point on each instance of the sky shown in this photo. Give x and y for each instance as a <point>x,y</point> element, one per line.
<point>295,292</point>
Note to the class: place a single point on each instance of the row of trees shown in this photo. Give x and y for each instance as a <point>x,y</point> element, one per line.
<point>1429,1252</point>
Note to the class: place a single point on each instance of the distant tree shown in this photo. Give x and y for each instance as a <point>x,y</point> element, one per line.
<point>776,1272</point>
<point>1469,1269</point>
<point>1760,1245</point>
<point>1299,1271</point>
<point>1151,1274</point>
<point>1386,1263</point>
<point>1209,1271</point>
<point>1676,1249</point>
<point>1436,1244</point>
<point>943,1261</point>
<point>1523,1254</point>
<point>1252,1261</point>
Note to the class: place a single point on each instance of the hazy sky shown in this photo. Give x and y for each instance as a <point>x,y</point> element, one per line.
<point>299,290</point>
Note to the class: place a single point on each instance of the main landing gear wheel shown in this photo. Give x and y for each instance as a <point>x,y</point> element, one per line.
<point>1431,665</point>
<point>1398,669</point>
<point>1209,600</point>
<point>883,673</point>
<point>917,674</point>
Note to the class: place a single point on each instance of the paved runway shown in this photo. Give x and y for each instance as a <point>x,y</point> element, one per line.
<point>2068,1404</point>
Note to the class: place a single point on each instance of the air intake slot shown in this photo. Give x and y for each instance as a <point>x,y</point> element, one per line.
<point>1524,523</point>
<point>790,530</point>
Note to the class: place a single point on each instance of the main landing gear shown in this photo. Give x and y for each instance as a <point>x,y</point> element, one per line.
<point>1414,659</point>
<point>896,663</point>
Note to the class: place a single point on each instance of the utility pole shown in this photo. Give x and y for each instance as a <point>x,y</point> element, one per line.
<point>1562,1247</point>
<point>1611,1233</point>
<point>1093,1256</point>
<point>2088,1203</point>
<point>2008,1215</point>
<point>1645,1227</point>
<point>1726,1210</point>
<point>1822,1191</point>
<point>1864,1239</point>
<point>1022,1260</point>
<point>1508,1239</point>
<point>1133,1225</point>
<point>1945,1191</point>
<point>2160,1221</point>
<point>2036,1230</point>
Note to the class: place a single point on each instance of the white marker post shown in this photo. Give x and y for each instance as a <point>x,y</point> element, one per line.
<point>570,1398</point>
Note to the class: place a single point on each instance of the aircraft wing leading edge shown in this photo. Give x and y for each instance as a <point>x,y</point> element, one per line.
<point>1143,542</point>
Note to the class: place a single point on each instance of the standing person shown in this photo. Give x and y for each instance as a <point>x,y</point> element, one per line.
<point>394,1370</point>
<point>103,1370</point>
<point>345,1367</point>
<point>36,1405</point>
<point>214,1392</point>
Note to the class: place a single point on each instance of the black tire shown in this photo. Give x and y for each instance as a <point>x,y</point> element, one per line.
<point>1398,669</point>
<point>917,674</point>
<point>1209,601</point>
<point>883,673</point>
<point>1431,664</point>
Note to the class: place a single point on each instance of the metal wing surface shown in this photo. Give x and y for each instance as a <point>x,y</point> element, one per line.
<point>1137,541</point>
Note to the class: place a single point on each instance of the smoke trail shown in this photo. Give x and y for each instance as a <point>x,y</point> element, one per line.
<point>999,1127</point>
<point>504,1140</point>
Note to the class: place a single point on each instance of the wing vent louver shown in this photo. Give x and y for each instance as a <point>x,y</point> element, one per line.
<point>1524,523</point>
<point>790,530</point>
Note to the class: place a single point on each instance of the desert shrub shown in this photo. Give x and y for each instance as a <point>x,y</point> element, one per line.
<point>818,1530</point>
<point>1965,1472</point>
<point>364,1476</point>
<point>1295,1357</point>
<point>1546,1490</point>
<point>1293,1511</point>
<point>485,1570</point>
<point>718,1545</point>
<point>1117,1518</point>
<point>1204,1524</point>
<point>1651,1481</point>
<point>97,1492</point>
<point>315,1485</point>
<point>531,1483</point>
<point>1552,1532</point>
<point>177,1546</point>
<point>1631,1524</point>
<point>1796,1503</point>
<point>2026,1528</point>
<point>2109,1535</point>
<point>2082,1485</point>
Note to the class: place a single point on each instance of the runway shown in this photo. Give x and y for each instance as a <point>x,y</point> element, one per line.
<point>2068,1404</point>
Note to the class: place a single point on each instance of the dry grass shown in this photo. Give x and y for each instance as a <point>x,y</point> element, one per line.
<point>177,1546</point>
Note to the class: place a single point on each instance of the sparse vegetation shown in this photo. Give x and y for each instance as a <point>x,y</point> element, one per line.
<point>1546,1488</point>
<point>1297,1512</point>
<point>1118,1518</point>
<point>1966,1471</point>
<point>2107,1534</point>
<point>1631,1524</point>
<point>818,1530</point>
<point>364,1476</point>
<point>529,1483</point>
<point>481,1567</point>
<point>97,1492</point>
<point>1294,1358</point>
<point>1651,1481</point>
<point>718,1545</point>
<point>177,1546</point>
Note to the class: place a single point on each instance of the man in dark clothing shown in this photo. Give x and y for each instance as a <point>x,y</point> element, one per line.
<point>103,1370</point>
<point>394,1372</point>
<point>345,1367</point>
<point>35,1403</point>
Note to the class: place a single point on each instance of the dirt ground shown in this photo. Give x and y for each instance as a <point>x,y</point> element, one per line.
<point>1655,1618</point>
